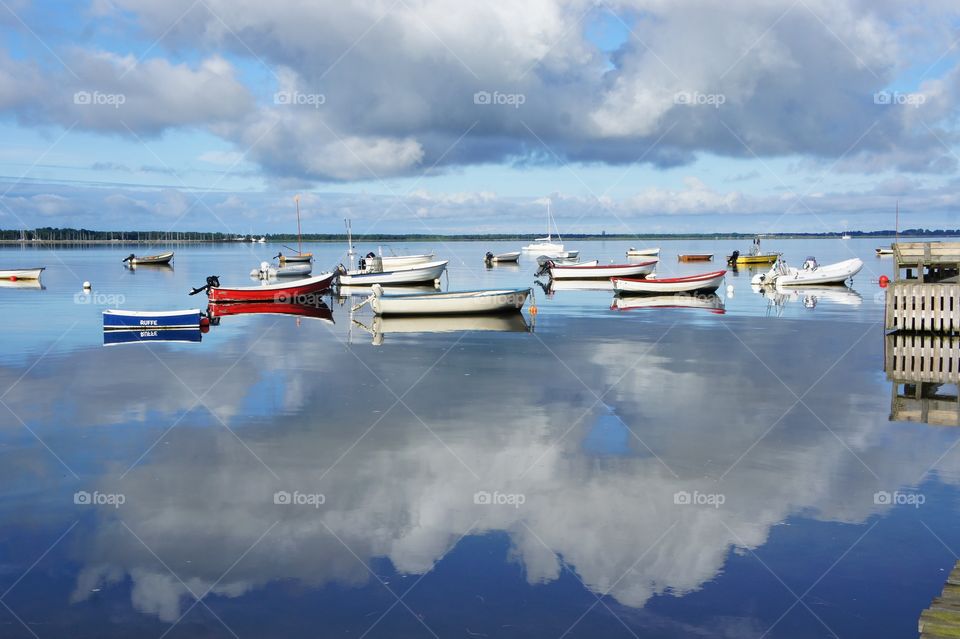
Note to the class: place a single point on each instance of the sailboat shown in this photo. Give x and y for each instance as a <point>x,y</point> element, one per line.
<point>300,256</point>
<point>546,245</point>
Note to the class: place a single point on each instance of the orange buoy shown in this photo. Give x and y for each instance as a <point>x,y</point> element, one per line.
<point>533,310</point>
<point>884,280</point>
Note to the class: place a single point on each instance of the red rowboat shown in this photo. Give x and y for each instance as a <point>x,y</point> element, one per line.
<point>302,291</point>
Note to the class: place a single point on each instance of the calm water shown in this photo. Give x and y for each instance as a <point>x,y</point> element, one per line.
<point>584,428</point>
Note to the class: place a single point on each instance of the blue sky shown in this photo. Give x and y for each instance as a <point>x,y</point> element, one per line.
<point>632,116</point>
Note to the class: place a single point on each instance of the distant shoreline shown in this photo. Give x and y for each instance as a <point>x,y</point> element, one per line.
<point>83,237</point>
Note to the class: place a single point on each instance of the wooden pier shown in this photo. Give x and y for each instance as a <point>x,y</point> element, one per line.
<point>942,619</point>
<point>925,293</point>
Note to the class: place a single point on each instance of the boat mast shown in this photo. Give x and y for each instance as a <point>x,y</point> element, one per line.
<point>548,220</point>
<point>299,242</point>
<point>350,252</point>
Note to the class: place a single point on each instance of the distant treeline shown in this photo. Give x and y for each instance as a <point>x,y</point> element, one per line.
<point>49,234</point>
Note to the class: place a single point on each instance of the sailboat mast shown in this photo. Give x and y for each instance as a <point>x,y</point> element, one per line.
<point>299,241</point>
<point>349,239</point>
<point>549,235</point>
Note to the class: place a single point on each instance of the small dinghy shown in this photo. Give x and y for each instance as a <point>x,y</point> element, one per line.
<point>161,258</point>
<point>117,320</point>
<point>502,258</point>
<point>695,257</point>
<point>451,303</point>
<point>295,292</point>
<point>704,282</point>
<point>14,274</point>
<point>643,252</point>
<point>810,274</point>
<point>884,251</point>
<point>266,271</point>
<point>596,271</point>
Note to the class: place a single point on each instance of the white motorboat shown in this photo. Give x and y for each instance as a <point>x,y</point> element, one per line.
<point>449,303</point>
<point>704,282</point>
<point>267,271</point>
<point>596,271</point>
<point>372,272</point>
<point>710,302</point>
<point>884,251</point>
<point>809,274</point>
<point>502,258</point>
<point>21,273</point>
<point>643,252</point>
<point>398,261</point>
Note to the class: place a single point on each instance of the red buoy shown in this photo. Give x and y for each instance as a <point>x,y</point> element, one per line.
<point>13,278</point>
<point>884,280</point>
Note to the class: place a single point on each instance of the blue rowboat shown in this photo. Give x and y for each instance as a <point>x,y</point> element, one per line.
<point>153,335</point>
<point>151,320</point>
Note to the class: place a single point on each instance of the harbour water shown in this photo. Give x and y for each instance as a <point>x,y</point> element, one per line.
<point>584,472</point>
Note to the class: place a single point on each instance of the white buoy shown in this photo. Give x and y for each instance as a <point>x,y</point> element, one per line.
<point>86,286</point>
<point>730,288</point>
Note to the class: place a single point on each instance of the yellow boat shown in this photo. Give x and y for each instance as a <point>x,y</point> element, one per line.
<point>752,260</point>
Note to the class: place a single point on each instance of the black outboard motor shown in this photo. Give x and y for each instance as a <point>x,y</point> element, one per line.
<point>130,258</point>
<point>488,258</point>
<point>732,260</point>
<point>212,282</point>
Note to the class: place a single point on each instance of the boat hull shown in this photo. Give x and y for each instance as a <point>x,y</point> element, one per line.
<point>543,248</point>
<point>399,261</point>
<point>288,292</point>
<point>583,272</point>
<point>415,274</point>
<point>151,320</point>
<point>754,260</point>
<point>294,259</point>
<point>162,258</point>
<point>506,257</point>
<point>824,275</point>
<point>21,273</point>
<point>695,257</point>
<point>704,283</point>
<point>645,252</point>
<point>451,303</point>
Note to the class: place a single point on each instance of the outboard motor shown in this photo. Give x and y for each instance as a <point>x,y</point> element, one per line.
<point>488,258</point>
<point>130,258</point>
<point>732,261</point>
<point>212,282</point>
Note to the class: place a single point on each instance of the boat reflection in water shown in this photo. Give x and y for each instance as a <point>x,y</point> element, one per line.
<point>924,370</point>
<point>379,326</point>
<point>710,302</point>
<point>32,285</point>
<point>319,310</point>
<point>346,292</point>
<point>808,296</point>
<point>552,286</point>
<point>173,336</point>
